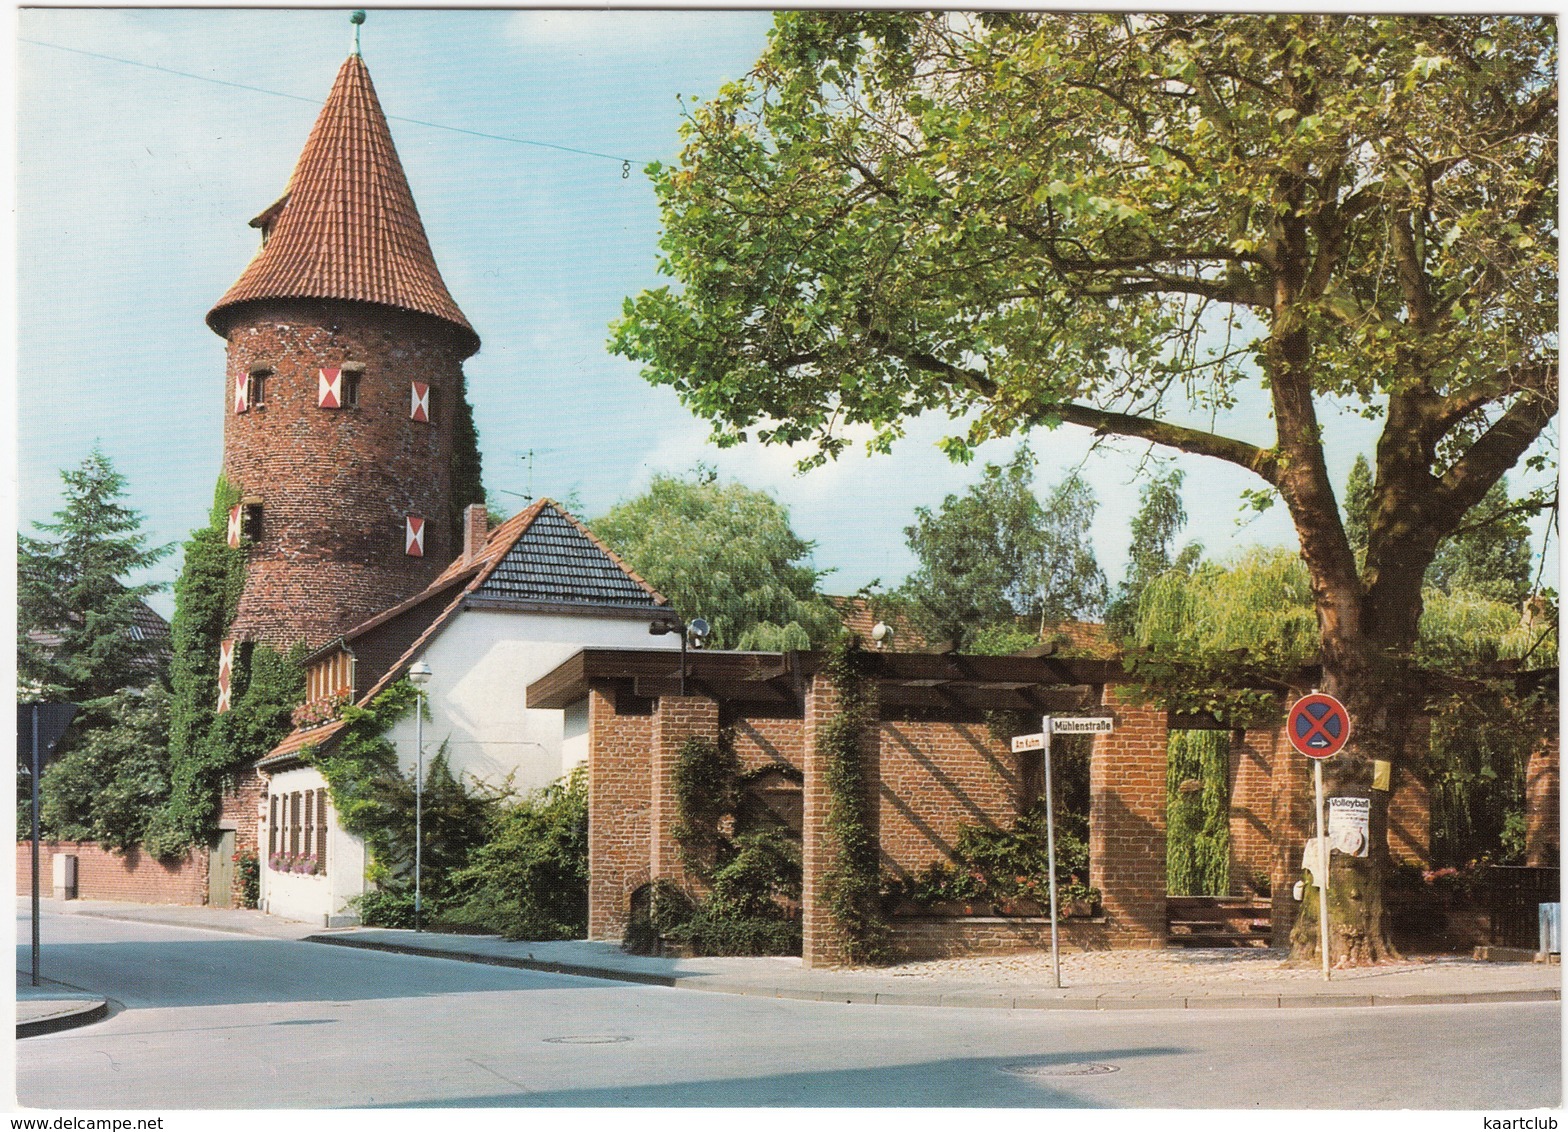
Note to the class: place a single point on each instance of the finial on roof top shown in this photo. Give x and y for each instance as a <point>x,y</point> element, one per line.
<point>356,19</point>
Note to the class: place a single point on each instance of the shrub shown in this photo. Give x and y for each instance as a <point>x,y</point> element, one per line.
<point>529,879</point>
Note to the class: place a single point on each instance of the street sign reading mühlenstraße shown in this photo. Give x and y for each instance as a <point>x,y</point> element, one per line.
<point>1082,725</point>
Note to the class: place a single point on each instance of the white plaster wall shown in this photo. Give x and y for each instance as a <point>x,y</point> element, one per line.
<point>482,664</point>
<point>314,899</point>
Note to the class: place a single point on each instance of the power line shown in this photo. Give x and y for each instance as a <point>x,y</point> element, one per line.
<point>626,162</point>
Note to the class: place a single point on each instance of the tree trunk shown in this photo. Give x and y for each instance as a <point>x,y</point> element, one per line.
<point>1382,706</point>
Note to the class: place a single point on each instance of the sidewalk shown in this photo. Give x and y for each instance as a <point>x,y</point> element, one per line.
<point>1163,979</point>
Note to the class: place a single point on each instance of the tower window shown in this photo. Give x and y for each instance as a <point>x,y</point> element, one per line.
<point>256,388</point>
<point>250,520</point>
<point>352,372</point>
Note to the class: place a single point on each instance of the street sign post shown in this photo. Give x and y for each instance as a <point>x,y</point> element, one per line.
<point>43,724</point>
<point>1319,726</point>
<point>1059,725</point>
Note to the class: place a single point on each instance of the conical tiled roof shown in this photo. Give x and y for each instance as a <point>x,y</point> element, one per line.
<point>347,226</point>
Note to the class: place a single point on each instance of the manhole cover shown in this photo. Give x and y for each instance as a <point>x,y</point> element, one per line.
<point>589,1039</point>
<point>1067,1069</point>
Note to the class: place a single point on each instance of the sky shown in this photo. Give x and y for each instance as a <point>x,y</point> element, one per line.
<point>147,139</point>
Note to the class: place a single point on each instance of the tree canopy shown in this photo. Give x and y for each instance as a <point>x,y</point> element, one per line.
<point>726,553</point>
<point>1122,221</point>
<point>996,554</point>
<point>76,607</point>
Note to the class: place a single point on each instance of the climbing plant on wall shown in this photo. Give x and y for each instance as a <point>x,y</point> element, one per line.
<point>852,883</point>
<point>207,748</point>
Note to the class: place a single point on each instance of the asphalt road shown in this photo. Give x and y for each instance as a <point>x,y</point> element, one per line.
<point>209,1020</point>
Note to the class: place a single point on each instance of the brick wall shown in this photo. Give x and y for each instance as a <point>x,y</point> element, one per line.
<point>1127,823</point>
<point>769,743</point>
<point>240,809</point>
<point>619,804</point>
<point>1252,758</point>
<point>105,875</point>
<point>939,938</point>
<point>336,484</point>
<point>1542,799</point>
<point>1410,805</point>
<point>936,778</point>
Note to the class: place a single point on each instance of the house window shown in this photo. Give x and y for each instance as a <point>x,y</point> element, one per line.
<point>352,373</point>
<point>256,388</point>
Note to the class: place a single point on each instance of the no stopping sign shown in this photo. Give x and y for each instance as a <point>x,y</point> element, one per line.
<point>1318,726</point>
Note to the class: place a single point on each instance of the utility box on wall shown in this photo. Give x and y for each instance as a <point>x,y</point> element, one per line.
<point>65,876</point>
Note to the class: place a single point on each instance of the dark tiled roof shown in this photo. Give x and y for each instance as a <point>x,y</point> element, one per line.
<point>561,544</point>
<point>347,226</point>
<point>556,561</point>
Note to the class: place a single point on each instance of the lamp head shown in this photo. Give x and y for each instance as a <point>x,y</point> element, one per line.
<point>419,673</point>
<point>697,632</point>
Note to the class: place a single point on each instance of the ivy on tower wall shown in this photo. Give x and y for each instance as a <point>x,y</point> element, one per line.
<point>205,748</point>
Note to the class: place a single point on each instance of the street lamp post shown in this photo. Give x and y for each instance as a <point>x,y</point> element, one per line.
<point>419,675</point>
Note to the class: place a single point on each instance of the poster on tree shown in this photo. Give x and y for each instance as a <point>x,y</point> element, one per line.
<point>1349,824</point>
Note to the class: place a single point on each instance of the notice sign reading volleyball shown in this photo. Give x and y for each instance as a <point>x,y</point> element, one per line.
<point>1318,726</point>
<point>1350,825</point>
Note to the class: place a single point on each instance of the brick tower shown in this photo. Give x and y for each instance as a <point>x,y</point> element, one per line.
<point>345,399</point>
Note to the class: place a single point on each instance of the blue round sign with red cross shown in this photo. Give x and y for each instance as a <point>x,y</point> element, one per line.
<point>1318,726</point>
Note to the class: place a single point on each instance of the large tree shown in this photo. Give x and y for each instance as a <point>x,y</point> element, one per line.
<point>77,637</point>
<point>996,554</point>
<point>1106,219</point>
<point>726,553</point>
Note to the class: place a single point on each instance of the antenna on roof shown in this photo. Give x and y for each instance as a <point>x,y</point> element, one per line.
<point>356,19</point>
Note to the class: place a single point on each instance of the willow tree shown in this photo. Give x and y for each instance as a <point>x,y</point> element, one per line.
<point>1109,220</point>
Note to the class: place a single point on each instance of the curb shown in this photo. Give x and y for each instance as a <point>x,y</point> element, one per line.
<point>82,1014</point>
<point>971,999</point>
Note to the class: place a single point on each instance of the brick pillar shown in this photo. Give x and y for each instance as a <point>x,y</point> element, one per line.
<point>823,944</point>
<point>1410,807</point>
<point>618,812</point>
<point>1292,824</point>
<point>1252,756</point>
<point>1127,822</point>
<point>1542,822</point>
<point>677,719</point>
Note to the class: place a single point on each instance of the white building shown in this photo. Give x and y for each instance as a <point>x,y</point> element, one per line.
<point>520,601</point>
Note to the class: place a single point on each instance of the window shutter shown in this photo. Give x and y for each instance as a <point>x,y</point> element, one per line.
<point>329,389</point>
<point>294,816</point>
<point>234,525</point>
<point>308,822</point>
<point>225,674</point>
<point>419,402</point>
<point>321,832</point>
<point>242,393</point>
<point>272,828</point>
<point>414,537</point>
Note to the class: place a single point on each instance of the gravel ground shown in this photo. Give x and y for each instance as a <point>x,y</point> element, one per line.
<point>1189,966</point>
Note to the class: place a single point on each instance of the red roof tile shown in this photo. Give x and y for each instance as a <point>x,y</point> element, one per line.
<point>347,226</point>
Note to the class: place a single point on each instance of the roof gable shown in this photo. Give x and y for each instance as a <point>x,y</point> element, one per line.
<point>540,556</point>
<point>556,561</point>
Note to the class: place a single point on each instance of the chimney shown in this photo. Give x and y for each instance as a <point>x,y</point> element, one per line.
<point>476,530</point>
